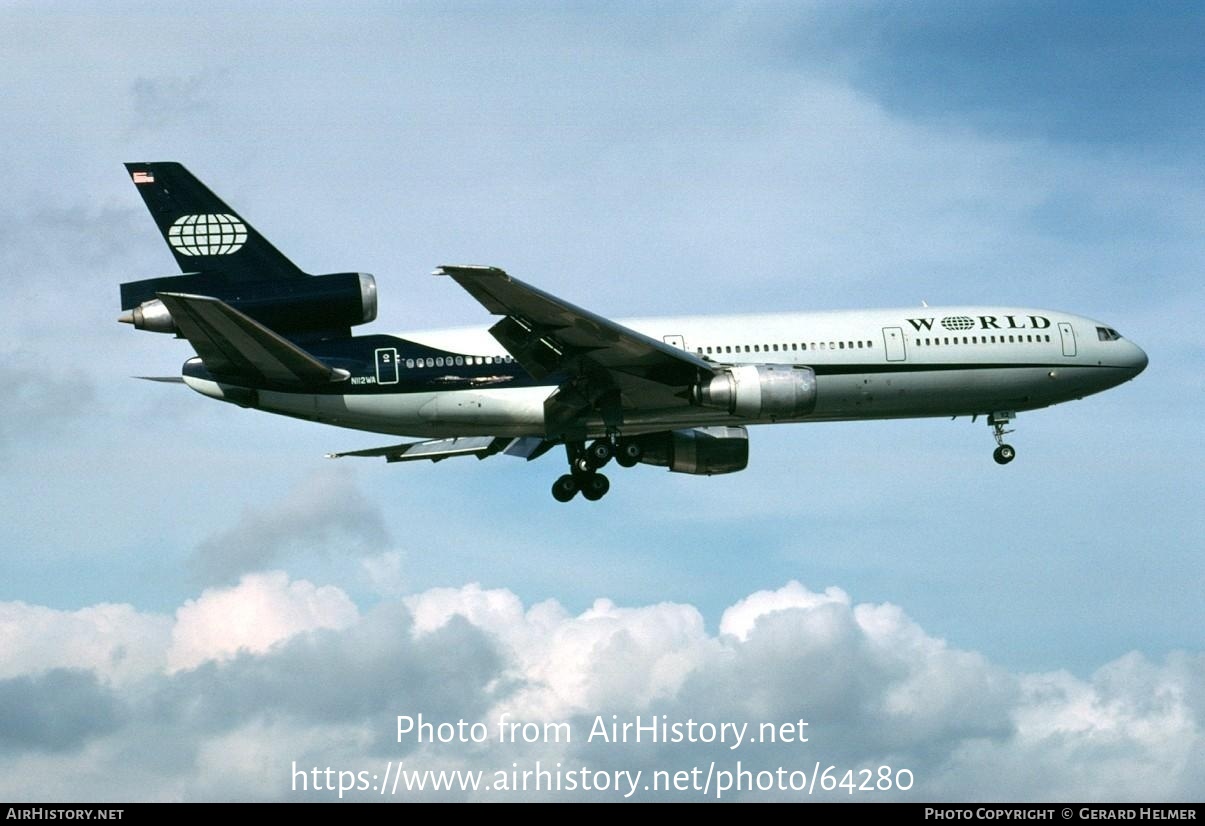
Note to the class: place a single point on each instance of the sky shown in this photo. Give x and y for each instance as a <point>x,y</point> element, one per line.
<point>195,604</point>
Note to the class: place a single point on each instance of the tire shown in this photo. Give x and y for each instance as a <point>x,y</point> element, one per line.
<point>629,454</point>
<point>564,488</point>
<point>600,452</point>
<point>1004,454</point>
<point>596,487</point>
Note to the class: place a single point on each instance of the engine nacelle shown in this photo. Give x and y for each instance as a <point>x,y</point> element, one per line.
<point>701,450</point>
<point>311,304</point>
<point>761,391</point>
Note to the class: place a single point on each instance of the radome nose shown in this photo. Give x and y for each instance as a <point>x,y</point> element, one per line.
<point>1138,359</point>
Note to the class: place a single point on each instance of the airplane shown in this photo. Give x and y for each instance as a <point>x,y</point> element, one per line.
<point>678,393</point>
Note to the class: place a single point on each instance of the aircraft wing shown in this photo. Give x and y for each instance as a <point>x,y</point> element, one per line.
<point>611,367</point>
<point>239,349</point>
<point>546,334</point>
<point>436,450</point>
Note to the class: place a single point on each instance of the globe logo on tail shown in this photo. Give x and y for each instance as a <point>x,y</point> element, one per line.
<point>207,234</point>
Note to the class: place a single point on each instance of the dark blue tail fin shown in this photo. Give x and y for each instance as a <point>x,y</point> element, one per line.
<point>222,256</point>
<point>203,233</point>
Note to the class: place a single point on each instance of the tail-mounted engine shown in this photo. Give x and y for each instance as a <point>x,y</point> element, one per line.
<point>760,391</point>
<point>316,304</point>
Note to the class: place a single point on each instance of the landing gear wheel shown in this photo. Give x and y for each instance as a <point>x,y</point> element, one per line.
<point>629,454</point>
<point>595,487</point>
<point>564,488</point>
<point>600,452</point>
<point>1004,454</point>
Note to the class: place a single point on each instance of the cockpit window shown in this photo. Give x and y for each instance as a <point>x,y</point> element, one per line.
<point>1107,334</point>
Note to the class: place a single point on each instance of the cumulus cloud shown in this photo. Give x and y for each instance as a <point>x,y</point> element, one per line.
<point>115,642</point>
<point>259,612</point>
<point>385,573</point>
<point>326,510</point>
<point>606,657</point>
<point>56,711</point>
<point>272,671</point>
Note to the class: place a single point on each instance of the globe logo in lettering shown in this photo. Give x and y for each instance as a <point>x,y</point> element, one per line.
<point>207,234</point>
<point>957,322</point>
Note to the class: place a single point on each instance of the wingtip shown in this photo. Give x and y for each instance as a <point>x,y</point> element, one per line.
<point>470,269</point>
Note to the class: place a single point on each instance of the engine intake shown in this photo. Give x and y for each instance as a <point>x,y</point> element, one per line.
<point>702,451</point>
<point>761,391</point>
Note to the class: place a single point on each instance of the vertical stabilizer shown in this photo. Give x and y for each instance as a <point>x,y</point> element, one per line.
<point>202,232</point>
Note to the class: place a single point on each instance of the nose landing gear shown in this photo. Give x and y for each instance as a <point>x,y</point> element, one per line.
<point>1003,454</point>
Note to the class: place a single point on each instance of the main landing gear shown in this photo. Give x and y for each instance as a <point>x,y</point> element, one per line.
<point>584,463</point>
<point>1003,454</point>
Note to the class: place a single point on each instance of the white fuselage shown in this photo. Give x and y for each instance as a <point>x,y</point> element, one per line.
<point>869,364</point>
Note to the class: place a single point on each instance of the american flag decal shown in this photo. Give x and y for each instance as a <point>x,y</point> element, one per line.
<point>144,177</point>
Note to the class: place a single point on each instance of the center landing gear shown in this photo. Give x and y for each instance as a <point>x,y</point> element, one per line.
<point>584,463</point>
<point>583,474</point>
<point>1003,454</point>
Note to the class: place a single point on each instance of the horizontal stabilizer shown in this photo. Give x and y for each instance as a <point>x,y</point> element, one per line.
<point>437,450</point>
<point>239,350</point>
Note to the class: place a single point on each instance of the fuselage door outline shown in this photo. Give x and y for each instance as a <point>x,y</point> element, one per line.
<point>387,372</point>
<point>1067,334</point>
<point>893,342</point>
